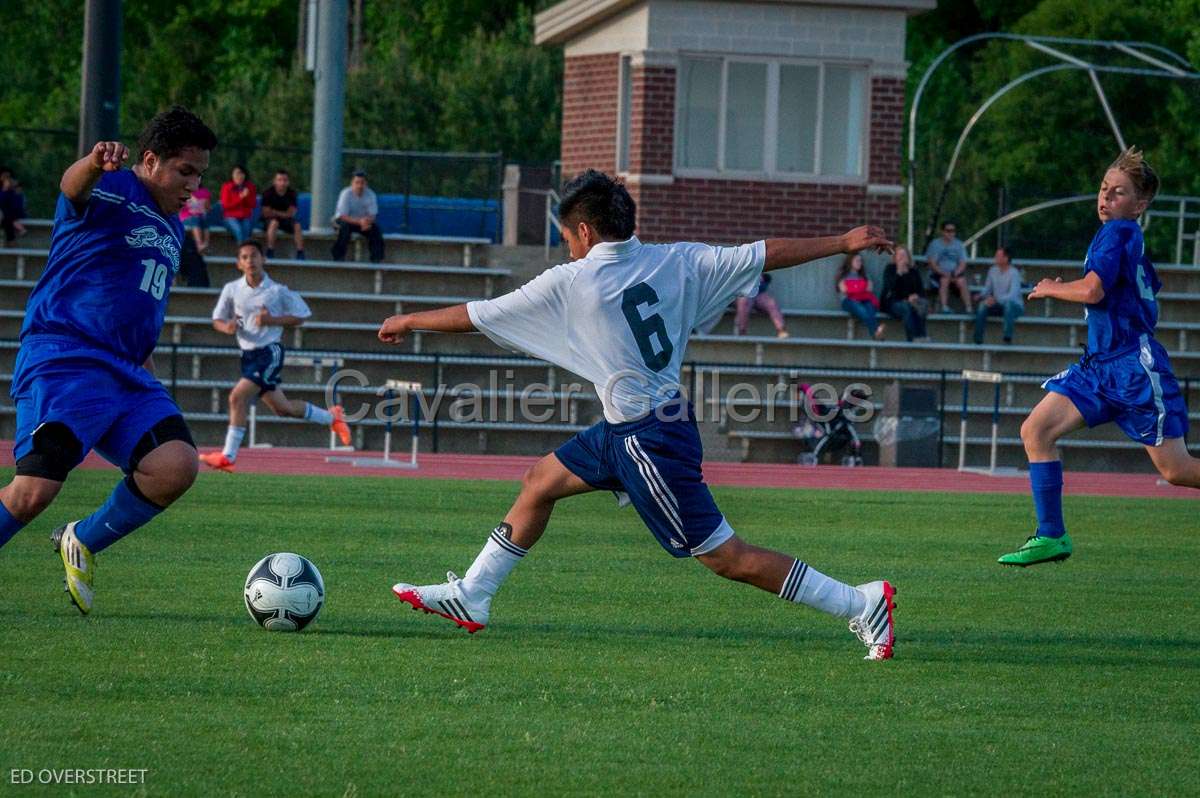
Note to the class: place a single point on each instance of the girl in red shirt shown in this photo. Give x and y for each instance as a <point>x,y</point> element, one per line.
<point>238,200</point>
<point>857,297</point>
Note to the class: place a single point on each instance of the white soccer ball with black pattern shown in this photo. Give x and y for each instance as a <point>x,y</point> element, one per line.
<point>284,592</point>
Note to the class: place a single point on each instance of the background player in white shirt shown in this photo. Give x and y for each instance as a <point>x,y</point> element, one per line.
<point>620,315</point>
<point>255,308</point>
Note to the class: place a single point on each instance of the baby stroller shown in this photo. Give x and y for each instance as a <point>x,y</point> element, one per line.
<point>825,429</point>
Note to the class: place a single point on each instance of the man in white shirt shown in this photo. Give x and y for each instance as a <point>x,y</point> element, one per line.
<point>356,210</point>
<point>620,315</point>
<point>1001,296</point>
<point>255,308</point>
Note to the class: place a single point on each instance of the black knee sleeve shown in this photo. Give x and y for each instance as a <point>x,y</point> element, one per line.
<point>171,428</point>
<point>56,451</point>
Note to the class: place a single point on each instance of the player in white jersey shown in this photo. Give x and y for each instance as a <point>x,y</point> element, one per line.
<point>255,309</point>
<point>620,315</point>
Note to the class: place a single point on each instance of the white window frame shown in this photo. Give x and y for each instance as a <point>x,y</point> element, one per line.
<point>771,123</point>
<point>624,112</point>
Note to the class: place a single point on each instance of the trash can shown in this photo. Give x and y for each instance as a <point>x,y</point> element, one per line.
<point>909,427</point>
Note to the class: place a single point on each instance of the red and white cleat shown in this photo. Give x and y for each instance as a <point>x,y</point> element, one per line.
<point>218,460</point>
<point>874,627</point>
<point>446,600</point>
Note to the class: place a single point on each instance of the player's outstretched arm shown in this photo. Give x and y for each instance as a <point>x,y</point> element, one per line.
<point>79,179</point>
<point>1086,291</point>
<point>454,319</point>
<point>785,252</point>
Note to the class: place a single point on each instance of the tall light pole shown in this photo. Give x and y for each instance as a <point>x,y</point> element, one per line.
<point>100,95</point>
<point>329,100</point>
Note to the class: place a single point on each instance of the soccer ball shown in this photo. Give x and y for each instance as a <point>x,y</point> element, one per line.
<point>284,592</point>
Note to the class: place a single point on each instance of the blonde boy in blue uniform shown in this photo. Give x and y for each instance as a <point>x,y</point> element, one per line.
<point>1124,376</point>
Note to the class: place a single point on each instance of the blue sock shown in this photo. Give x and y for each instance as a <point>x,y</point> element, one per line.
<point>9,526</point>
<point>122,513</point>
<point>1047,481</point>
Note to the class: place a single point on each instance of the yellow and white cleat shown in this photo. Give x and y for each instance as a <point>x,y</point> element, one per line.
<point>79,565</point>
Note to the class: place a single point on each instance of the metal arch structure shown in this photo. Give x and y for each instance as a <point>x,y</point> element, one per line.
<point>1160,67</point>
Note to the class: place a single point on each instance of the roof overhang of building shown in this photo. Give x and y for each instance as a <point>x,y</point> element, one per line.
<point>562,22</point>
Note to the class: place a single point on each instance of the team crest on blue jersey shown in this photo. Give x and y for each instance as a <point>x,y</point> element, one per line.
<point>148,236</point>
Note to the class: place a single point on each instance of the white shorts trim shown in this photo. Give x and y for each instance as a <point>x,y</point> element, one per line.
<point>721,534</point>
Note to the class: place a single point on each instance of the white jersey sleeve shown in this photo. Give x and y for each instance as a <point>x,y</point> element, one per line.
<point>292,304</point>
<point>725,273</point>
<point>223,310</point>
<point>531,319</point>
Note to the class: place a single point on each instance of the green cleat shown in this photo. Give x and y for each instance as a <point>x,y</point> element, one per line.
<point>1039,549</point>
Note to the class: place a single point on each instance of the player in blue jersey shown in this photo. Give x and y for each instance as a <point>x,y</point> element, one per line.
<point>1124,375</point>
<point>84,376</point>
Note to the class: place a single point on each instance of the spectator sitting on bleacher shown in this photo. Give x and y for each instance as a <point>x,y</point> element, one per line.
<point>356,212</point>
<point>762,301</point>
<point>857,297</point>
<point>239,198</point>
<point>194,216</point>
<point>1002,296</point>
<point>12,206</point>
<point>279,204</point>
<point>947,259</point>
<point>903,295</point>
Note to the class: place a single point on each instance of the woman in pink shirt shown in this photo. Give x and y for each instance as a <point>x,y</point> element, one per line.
<point>194,216</point>
<point>238,200</point>
<point>857,297</point>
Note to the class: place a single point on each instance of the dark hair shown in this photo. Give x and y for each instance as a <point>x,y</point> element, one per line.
<point>1007,250</point>
<point>245,171</point>
<point>359,173</point>
<point>283,172</point>
<point>949,223</point>
<point>174,130</point>
<point>844,269</point>
<point>249,242</point>
<point>602,202</point>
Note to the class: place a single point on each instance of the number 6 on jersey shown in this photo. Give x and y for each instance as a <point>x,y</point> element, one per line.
<point>644,294</point>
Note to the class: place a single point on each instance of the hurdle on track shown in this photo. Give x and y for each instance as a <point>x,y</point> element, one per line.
<point>995,378</point>
<point>317,363</point>
<point>392,389</point>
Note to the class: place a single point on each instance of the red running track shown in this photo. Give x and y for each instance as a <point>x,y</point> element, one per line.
<point>762,475</point>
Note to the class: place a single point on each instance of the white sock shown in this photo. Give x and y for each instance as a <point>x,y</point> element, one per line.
<point>499,556</point>
<point>809,586</point>
<point>318,415</point>
<point>233,440</point>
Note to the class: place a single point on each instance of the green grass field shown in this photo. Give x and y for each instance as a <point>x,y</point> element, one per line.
<point>609,667</point>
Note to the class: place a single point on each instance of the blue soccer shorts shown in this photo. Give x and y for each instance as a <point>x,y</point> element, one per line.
<point>108,403</point>
<point>1134,388</point>
<point>656,460</point>
<point>263,366</point>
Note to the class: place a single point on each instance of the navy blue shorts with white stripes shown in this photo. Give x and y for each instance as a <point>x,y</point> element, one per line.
<point>656,460</point>
<point>263,366</point>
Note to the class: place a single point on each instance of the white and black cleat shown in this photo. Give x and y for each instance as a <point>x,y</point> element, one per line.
<point>875,627</point>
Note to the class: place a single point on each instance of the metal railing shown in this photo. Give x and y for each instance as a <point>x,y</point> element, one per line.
<point>1179,212</point>
<point>552,221</point>
<point>692,375</point>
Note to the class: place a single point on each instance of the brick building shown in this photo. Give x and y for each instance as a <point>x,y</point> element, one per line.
<point>731,121</point>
